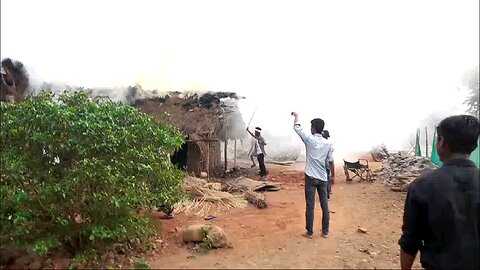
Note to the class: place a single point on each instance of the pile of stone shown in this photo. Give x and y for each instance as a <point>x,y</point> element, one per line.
<point>400,169</point>
<point>379,153</point>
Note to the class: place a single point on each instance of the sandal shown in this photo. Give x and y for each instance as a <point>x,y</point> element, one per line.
<point>307,235</point>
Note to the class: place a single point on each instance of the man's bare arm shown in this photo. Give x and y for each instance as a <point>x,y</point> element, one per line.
<point>332,172</point>
<point>298,129</point>
<point>295,120</point>
<point>406,260</point>
<point>248,130</point>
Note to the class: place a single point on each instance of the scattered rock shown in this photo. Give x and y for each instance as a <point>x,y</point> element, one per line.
<point>332,211</point>
<point>119,248</point>
<point>362,230</point>
<point>135,241</point>
<point>365,250</point>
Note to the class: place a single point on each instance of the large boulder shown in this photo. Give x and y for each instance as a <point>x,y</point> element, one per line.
<point>218,237</point>
<point>212,234</point>
<point>194,233</point>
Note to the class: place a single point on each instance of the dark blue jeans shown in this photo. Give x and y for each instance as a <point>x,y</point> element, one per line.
<point>261,164</point>
<point>313,186</point>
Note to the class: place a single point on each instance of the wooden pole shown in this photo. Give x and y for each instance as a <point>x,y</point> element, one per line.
<point>226,143</point>
<point>235,154</point>
<point>426,142</point>
<point>208,161</point>
<point>225,154</point>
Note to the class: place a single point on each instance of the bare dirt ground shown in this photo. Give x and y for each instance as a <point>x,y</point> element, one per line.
<point>271,237</point>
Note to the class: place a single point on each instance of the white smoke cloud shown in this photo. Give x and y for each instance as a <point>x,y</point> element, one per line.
<point>368,72</point>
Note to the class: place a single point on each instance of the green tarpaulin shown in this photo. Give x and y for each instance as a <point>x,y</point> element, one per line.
<point>418,151</point>
<point>475,156</point>
<point>434,156</point>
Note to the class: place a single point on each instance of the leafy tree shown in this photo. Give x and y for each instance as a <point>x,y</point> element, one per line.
<point>77,172</point>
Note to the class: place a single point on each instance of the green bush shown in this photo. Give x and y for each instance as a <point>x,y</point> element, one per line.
<point>76,172</point>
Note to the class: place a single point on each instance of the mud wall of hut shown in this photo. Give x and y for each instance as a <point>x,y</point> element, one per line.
<point>197,157</point>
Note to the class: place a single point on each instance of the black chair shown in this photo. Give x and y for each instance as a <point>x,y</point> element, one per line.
<point>359,168</point>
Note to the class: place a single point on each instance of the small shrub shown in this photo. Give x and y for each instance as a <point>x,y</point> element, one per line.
<point>207,241</point>
<point>141,264</point>
<point>76,172</point>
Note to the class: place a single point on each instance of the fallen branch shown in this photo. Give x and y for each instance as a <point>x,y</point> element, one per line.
<point>256,199</point>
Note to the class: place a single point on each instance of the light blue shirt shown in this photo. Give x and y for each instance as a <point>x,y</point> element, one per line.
<point>319,153</point>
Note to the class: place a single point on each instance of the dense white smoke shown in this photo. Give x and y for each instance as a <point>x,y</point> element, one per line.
<point>369,73</point>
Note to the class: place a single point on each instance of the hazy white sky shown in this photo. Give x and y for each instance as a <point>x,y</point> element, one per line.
<point>391,63</point>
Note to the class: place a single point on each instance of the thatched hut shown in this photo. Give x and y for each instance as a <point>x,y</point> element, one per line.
<point>206,120</point>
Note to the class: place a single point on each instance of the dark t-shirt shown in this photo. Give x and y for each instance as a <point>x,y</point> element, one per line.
<point>441,217</point>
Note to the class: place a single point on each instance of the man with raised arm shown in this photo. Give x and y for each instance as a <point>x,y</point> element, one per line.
<point>319,152</point>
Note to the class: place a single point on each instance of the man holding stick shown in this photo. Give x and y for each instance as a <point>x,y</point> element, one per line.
<point>319,152</point>
<point>259,151</point>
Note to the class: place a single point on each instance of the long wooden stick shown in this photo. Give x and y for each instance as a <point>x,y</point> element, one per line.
<point>249,122</point>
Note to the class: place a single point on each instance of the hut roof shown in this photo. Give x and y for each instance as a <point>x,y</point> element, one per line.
<point>211,115</point>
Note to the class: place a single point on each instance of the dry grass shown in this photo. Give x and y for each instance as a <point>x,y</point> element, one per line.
<point>207,198</point>
<point>257,199</point>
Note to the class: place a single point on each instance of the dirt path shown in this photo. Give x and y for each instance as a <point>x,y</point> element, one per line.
<point>271,238</point>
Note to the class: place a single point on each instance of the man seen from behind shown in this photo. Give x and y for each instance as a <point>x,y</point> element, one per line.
<point>442,209</point>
